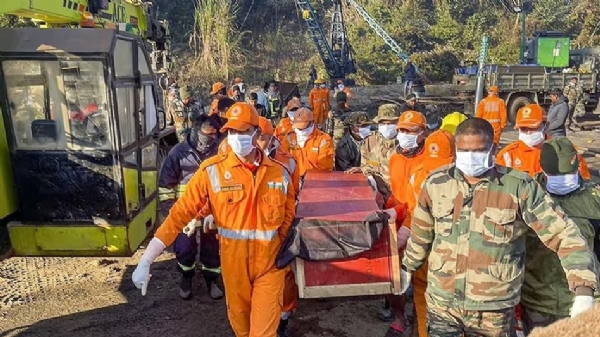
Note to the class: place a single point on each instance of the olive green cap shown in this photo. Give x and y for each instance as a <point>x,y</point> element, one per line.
<point>357,118</point>
<point>341,97</point>
<point>185,93</point>
<point>559,156</point>
<point>387,112</point>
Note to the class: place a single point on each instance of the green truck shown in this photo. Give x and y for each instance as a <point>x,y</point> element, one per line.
<point>552,65</point>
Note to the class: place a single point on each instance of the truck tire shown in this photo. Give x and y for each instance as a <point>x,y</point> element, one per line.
<point>514,107</point>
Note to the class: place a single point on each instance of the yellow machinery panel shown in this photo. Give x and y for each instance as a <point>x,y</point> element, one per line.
<point>8,200</point>
<point>54,239</point>
<point>70,12</point>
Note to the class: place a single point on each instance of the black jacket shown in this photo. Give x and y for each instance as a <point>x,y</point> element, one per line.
<point>347,153</point>
<point>262,110</point>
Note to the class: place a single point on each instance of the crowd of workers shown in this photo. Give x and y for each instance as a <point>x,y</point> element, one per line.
<point>475,222</point>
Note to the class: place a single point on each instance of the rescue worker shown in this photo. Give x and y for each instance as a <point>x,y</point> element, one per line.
<point>545,295</point>
<point>275,102</point>
<point>452,121</point>
<point>558,113</point>
<point>574,94</point>
<point>335,126</point>
<point>261,109</point>
<point>439,152</point>
<point>219,91</point>
<point>273,149</point>
<point>493,110</point>
<point>285,124</point>
<point>185,110</point>
<point>347,151</point>
<point>411,127</point>
<point>178,168</point>
<point>524,153</point>
<point>412,103</point>
<point>312,148</point>
<point>340,87</point>
<point>252,200</point>
<point>470,221</point>
<point>318,101</point>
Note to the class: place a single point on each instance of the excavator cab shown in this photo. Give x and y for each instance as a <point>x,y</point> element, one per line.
<point>82,125</point>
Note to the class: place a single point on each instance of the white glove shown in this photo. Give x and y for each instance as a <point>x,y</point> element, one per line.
<point>581,304</point>
<point>141,274</point>
<point>403,235</point>
<point>405,278</point>
<point>372,182</point>
<point>391,212</point>
<point>190,228</point>
<point>208,224</point>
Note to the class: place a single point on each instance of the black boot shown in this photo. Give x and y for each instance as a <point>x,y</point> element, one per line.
<point>185,287</point>
<point>282,328</point>
<point>211,284</point>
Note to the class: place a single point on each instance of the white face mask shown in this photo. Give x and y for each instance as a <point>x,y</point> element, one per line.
<point>364,132</point>
<point>387,130</point>
<point>291,115</point>
<point>432,126</point>
<point>241,145</point>
<point>302,135</point>
<point>341,86</point>
<point>532,139</point>
<point>323,86</point>
<point>562,184</point>
<point>473,164</point>
<point>407,141</point>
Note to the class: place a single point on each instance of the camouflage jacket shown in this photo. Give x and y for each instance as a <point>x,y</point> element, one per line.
<point>182,115</point>
<point>375,154</point>
<point>573,93</point>
<point>475,238</point>
<point>545,287</point>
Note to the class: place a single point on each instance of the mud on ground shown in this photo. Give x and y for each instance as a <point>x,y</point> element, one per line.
<point>95,297</point>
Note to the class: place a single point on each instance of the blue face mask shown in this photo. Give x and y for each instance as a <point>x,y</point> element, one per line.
<point>291,115</point>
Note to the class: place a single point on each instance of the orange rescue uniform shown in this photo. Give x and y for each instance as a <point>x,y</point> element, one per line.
<point>439,151</point>
<point>214,107</point>
<point>317,153</point>
<point>253,211</point>
<point>319,103</point>
<point>283,128</point>
<point>527,159</point>
<point>493,109</point>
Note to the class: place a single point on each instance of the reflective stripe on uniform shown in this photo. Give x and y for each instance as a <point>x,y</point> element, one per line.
<point>247,234</point>
<point>180,190</point>
<point>187,268</point>
<point>507,161</point>
<point>213,176</point>
<point>166,194</point>
<point>214,270</point>
<point>286,181</point>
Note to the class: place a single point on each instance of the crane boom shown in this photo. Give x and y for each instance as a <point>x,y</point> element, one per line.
<point>337,56</point>
<point>382,33</point>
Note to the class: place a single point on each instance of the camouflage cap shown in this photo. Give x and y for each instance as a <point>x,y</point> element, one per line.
<point>185,92</point>
<point>559,156</point>
<point>387,112</point>
<point>357,118</point>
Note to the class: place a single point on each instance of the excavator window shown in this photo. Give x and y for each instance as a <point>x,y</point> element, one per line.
<point>58,105</point>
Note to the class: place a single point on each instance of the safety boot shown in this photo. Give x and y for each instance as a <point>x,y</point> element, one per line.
<point>211,284</point>
<point>185,287</point>
<point>282,328</point>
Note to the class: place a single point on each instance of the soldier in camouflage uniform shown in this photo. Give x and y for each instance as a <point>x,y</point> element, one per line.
<point>574,94</point>
<point>470,220</point>
<point>545,296</point>
<point>184,109</point>
<point>379,146</point>
<point>335,125</point>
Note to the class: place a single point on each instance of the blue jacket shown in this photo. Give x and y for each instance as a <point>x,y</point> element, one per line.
<point>178,168</point>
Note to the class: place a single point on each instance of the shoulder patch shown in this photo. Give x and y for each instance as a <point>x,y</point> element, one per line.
<point>211,161</point>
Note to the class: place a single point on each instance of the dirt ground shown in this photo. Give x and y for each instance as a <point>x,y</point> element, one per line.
<point>95,297</point>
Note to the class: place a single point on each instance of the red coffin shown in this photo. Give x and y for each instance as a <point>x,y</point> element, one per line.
<point>338,197</point>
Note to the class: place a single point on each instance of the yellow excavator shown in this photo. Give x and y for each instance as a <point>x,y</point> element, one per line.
<point>81,126</point>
